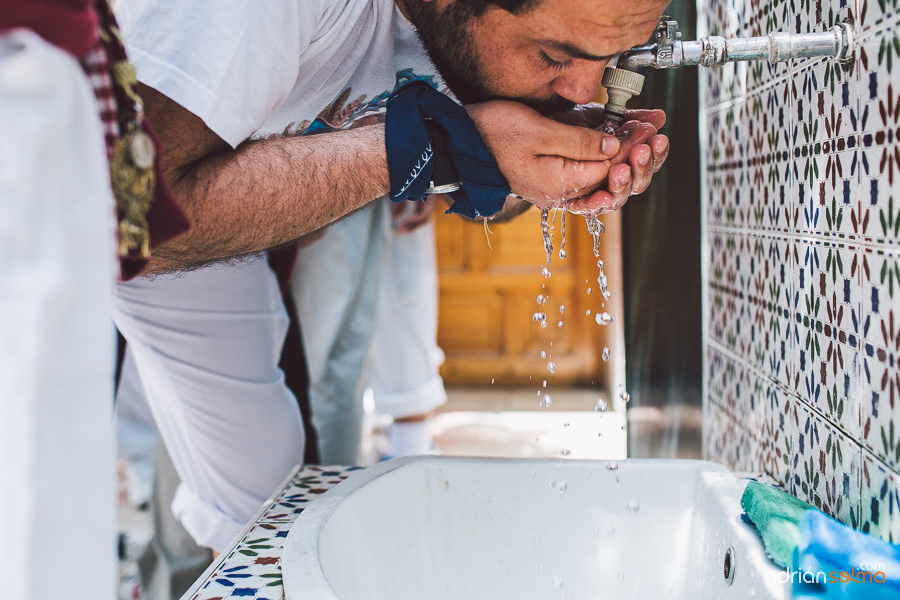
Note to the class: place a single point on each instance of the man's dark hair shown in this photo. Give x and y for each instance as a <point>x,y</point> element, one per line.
<point>476,8</point>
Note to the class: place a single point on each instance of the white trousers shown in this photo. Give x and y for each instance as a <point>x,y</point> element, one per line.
<point>405,355</point>
<point>57,477</point>
<point>135,429</point>
<point>335,286</point>
<point>206,345</point>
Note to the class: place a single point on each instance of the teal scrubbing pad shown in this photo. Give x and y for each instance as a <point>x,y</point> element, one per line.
<point>777,517</point>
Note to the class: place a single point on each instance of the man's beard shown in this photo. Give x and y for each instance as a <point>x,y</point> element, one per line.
<point>447,38</point>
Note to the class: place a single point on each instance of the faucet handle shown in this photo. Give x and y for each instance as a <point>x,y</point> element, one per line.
<point>667,31</point>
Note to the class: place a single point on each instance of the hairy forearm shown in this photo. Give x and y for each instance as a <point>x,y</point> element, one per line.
<point>270,192</point>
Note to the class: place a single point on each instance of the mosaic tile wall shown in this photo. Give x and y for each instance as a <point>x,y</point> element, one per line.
<point>802,259</point>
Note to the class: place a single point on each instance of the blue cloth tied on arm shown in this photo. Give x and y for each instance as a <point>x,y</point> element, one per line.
<point>410,155</point>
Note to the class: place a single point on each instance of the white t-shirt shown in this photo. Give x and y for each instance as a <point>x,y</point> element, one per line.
<point>262,68</point>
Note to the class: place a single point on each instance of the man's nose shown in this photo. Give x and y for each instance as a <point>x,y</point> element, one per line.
<point>580,86</point>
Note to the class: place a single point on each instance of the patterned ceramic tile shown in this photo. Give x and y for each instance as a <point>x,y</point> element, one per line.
<point>804,209</point>
<point>754,416</point>
<point>776,438</point>
<point>725,17</point>
<point>879,91</point>
<point>309,483</point>
<point>770,179</point>
<point>881,349</point>
<point>719,434</point>
<point>770,274</point>
<point>727,166</point>
<point>824,145</point>
<point>826,360</point>
<point>880,501</point>
<point>729,441</point>
<point>875,14</point>
<point>728,284</point>
<point>822,15</point>
<point>825,467</point>
<point>252,569</point>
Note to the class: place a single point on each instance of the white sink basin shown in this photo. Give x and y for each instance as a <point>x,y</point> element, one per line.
<point>441,528</point>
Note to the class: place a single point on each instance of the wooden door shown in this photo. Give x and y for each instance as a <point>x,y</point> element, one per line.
<point>488,297</point>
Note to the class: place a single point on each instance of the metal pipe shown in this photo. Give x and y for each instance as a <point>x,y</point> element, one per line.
<point>715,51</point>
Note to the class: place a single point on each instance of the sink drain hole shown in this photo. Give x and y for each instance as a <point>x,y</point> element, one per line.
<point>729,566</point>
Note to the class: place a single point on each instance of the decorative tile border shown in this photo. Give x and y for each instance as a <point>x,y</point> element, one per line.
<point>252,568</point>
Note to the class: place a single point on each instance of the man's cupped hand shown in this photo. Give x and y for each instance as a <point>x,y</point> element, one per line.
<point>566,160</point>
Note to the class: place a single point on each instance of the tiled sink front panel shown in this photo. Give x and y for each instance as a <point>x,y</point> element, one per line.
<point>802,259</point>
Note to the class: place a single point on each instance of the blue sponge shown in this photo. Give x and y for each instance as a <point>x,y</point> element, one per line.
<point>832,561</point>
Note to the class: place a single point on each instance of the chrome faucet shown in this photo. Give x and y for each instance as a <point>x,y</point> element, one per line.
<point>669,52</point>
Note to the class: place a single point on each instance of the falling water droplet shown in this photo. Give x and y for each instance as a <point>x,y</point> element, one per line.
<point>543,324</point>
<point>601,406</point>
<point>545,231</point>
<point>545,272</point>
<point>541,300</point>
<point>544,383</point>
<point>587,312</point>
<point>612,465</point>
<point>589,290</point>
<point>552,482</point>
<point>538,316</point>
<point>551,366</point>
<point>604,318</point>
<point>625,396</point>
<point>543,354</point>
<point>558,582</point>
<point>600,264</point>
<point>547,400</point>
<point>559,324</point>
<point>492,382</point>
<point>539,393</point>
<point>563,486</point>
<point>632,506</point>
<point>562,240</point>
<point>562,308</point>
<point>605,354</point>
<point>596,229</point>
